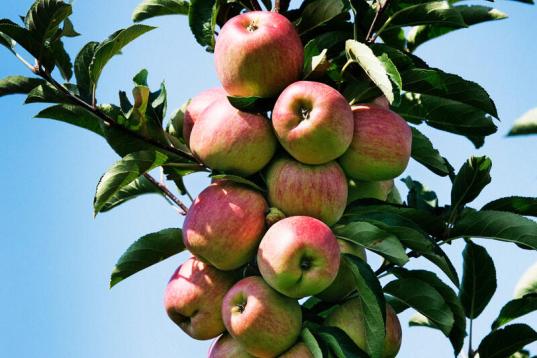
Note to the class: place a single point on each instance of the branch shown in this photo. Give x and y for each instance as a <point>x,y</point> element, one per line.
<point>168,193</point>
<point>255,5</point>
<point>276,7</point>
<point>370,38</point>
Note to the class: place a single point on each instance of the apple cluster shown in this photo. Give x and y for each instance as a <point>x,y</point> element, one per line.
<point>316,154</point>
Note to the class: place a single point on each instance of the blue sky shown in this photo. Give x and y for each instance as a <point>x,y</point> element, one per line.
<point>56,258</point>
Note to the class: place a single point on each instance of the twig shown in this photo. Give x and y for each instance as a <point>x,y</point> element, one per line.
<point>168,193</point>
<point>370,38</point>
<point>276,7</point>
<point>255,5</point>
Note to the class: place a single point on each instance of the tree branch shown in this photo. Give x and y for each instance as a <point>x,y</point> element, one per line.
<point>168,193</point>
<point>370,38</point>
<point>276,7</point>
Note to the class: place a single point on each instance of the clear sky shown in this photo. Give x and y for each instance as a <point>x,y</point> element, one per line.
<point>56,258</point>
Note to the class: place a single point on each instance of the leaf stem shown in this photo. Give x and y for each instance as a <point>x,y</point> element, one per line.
<point>470,334</point>
<point>168,193</point>
<point>370,38</point>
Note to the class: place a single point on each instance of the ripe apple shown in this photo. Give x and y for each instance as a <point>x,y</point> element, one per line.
<point>344,282</point>
<point>225,224</point>
<point>381,146</point>
<point>299,350</point>
<point>258,54</point>
<point>193,298</point>
<point>313,122</point>
<point>299,256</point>
<point>319,191</point>
<point>349,317</point>
<point>265,322</point>
<point>232,141</point>
<point>369,189</point>
<point>197,105</point>
<point>226,346</point>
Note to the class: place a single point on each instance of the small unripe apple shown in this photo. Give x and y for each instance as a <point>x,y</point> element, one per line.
<point>197,105</point>
<point>225,224</point>
<point>193,298</point>
<point>299,256</point>
<point>381,146</point>
<point>313,122</point>
<point>258,54</point>
<point>232,141</point>
<point>299,350</point>
<point>265,322</point>
<point>226,346</point>
<point>319,191</point>
<point>369,190</point>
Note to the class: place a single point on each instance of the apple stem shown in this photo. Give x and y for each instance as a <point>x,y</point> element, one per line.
<point>276,6</point>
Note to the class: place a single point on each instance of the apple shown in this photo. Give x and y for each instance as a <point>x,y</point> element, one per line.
<point>381,146</point>
<point>226,346</point>
<point>319,191</point>
<point>299,256</point>
<point>194,295</point>
<point>369,190</point>
<point>299,350</point>
<point>197,105</point>
<point>232,141</point>
<point>349,317</point>
<point>257,54</point>
<point>225,224</point>
<point>313,122</point>
<point>344,282</point>
<point>265,322</point>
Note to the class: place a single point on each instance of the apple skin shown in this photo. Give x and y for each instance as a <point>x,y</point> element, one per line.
<point>381,146</point>
<point>232,141</point>
<point>299,350</point>
<point>369,190</point>
<point>257,54</point>
<point>299,256</point>
<point>265,322</point>
<point>225,224</point>
<point>197,105</point>
<point>349,317</point>
<point>193,298</point>
<point>319,191</point>
<point>313,122</point>
<point>226,346</point>
<point>344,282</point>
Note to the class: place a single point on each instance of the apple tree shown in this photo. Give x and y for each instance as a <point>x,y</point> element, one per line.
<point>318,113</point>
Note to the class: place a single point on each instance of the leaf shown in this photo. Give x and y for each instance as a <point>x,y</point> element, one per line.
<point>202,21</point>
<point>125,172</point>
<point>362,55</point>
<point>46,93</point>
<point>435,12</point>
<point>18,85</point>
<point>7,42</point>
<point>315,60</point>
<point>152,8</point>
<point>139,186</point>
<point>424,153</point>
<point>82,72</point>
<point>527,124</point>
<point>527,283</point>
<point>252,104</point>
<point>370,236</point>
<point>63,61</point>
<point>309,340</point>
<point>442,261</point>
<point>473,176</point>
<point>45,16</point>
<point>395,77</point>
<point>506,341</point>
<point>515,309</point>
<point>419,320</point>
<point>237,179</point>
<point>147,251</point>
<point>419,196</point>
<point>74,115</point>
<point>69,29</point>
<point>478,280</point>
<point>340,344</point>
<point>514,204</point>
<point>397,305</point>
<point>112,46</point>
<point>315,13</point>
<point>21,36</point>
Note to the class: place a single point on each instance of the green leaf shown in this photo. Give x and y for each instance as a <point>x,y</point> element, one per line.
<point>314,13</point>
<point>147,251</point>
<point>419,196</point>
<point>74,115</point>
<point>125,172</point>
<point>397,305</point>
<point>82,72</point>
<point>46,93</point>
<point>69,29</point>
<point>372,237</point>
<point>309,340</point>
<point>252,104</point>
<point>63,61</point>
<point>514,204</point>
<point>395,77</point>
<point>45,16</point>
<point>315,60</point>
<point>471,179</point>
<point>152,8</point>
<point>424,153</point>
<point>18,85</point>
<point>527,124</point>
<point>419,320</point>
<point>515,309</point>
<point>139,186</point>
<point>478,280</point>
<point>202,21</point>
<point>442,261</point>
<point>113,46</point>
<point>506,341</point>
<point>21,36</point>
<point>339,342</point>
<point>527,283</point>
<point>7,42</point>
<point>237,179</point>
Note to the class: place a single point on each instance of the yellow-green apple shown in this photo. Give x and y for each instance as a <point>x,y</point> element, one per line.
<point>225,224</point>
<point>194,295</point>
<point>319,191</point>
<point>197,105</point>
<point>350,318</point>
<point>313,122</point>
<point>299,256</point>
<point>226,346</point>
<point>369,189</point>
<point>258,54</point>
<point>265,322</point>
<point>381,145</point>
<point>344,282</point>
<point>232,141</point>
<point>299,350</point>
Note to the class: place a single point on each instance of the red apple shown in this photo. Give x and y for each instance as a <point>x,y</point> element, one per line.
<point>225,224</point>
<point>319,191</point>
<point>381,146</point>
<point>227,347</point>
<point>197,105</point>
<point>232,141</point>
<point>299,256</point>
<point>265,322</point>
<point>258,54</point>
<point>369,189</point>
<point>313,122</point>
<point>193,298</point>
<point>299,350</point>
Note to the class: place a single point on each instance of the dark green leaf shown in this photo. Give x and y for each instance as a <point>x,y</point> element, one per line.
<point>397,305</point>
<point>252,104</point>
<point>138,187</point>
<point>147,251</point>
<point>424,152</point>
<point>315,13</point>
<point>45,16</point>
<point>7,42</point>
<point>152,8</point>
<point>202,20</point>
<point>63,61</point>
<point>442,261</point>
<point>395,77</point>
<point>18,85</point>
<point>473,176</point>
<point>527,283</point>
<point>74,115</point>
<point>506,341</point>
<point>340,344</point>
<point>82,74</point>
<point>515,309</point>
<point>69,29</point>
<point>514,204</point>
<point>46,93</point>
<point>309,340</point>
<point>22,36</point>
<point>419,196</point>
<point>527,124</point>
<point>315,60</point>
